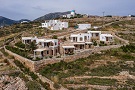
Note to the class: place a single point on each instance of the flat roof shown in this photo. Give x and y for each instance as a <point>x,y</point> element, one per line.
<point>76,35</point>
<point>94,31</point>
<point>41,49</point>
<point>73,35</point>
<point>25,38</point>
<point>68,46</point>
<point>47,40</point>
<point>107,35</point>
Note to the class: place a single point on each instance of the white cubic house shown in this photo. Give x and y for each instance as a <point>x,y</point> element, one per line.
<point>106,38</point>
<point>28,40</point>
<point>72,14</point>
<point>95,35</point>
<point>55,25</point>
<point>81,41</point>
<point>83,26</point>
<point>45,47</point>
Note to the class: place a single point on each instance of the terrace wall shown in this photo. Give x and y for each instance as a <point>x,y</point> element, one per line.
<point>36,65</point>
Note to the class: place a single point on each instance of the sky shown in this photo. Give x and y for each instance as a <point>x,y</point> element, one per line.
<point>32,9</point>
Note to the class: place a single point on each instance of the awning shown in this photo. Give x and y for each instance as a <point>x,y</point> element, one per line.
<point>68,46</point>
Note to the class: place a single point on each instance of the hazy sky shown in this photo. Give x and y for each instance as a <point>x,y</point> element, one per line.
<point>32,9</point>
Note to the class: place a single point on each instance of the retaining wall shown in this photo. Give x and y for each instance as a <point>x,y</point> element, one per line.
<point>28,63</point>
<point>36,65</point>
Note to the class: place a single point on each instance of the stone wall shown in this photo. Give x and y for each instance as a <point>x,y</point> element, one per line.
<point>86,53</point>
<point>28,63</point>
<point>36,65</point>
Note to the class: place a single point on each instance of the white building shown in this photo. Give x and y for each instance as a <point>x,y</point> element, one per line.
<point>95,35</point>
<point>81,41</point>
<point>24,21</point>
<point>72,14</point>
<point>55,25</point>
<point>28,40</point>
<point>106,38</point>
<point>83,26</point>
<point>45,47</point>
<point>82,37</point>
<point>95,27</point>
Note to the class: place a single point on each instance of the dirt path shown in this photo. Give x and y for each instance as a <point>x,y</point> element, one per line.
<point>99,87</point>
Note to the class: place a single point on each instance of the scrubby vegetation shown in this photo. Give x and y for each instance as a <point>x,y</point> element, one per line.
<point>20,45</point>
<point>106,70</point>
<point>16,28</point>
<point>99,81</point>
<point>25,70</point>
<point>18,51</point>
<point>82,67</point>
<point>127,36</point>
<point>32,85</point>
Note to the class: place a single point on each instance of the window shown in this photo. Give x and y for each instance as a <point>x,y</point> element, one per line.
<point>81,38</point>
<point>85,37</point>
<point>55,43</point>
<point>40,43</point>
<point>92,34</point>
<point>47,52</point>
<point>97,34</point>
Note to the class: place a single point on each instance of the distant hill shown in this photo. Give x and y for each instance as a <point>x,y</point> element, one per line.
<point>51,16</point>
<point>6,21</point>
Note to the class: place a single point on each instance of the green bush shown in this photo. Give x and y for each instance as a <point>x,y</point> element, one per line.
<point>128,48</point>
<point>95,43</point>
<point>54,37</point>
<point>45,85</point>
<point>18,51</point>
<point>33,85</point>
<point>127,57</point>
<point>102,43</point>
<point>106,70</point>
<point>20,45</point>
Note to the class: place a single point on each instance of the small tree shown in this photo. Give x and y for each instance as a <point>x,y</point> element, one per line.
<point>54,37</point>
<point>32,46</point>
<point>95,43</point>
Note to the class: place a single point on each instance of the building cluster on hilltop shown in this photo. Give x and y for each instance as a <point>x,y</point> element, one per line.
<point>72,14</point>
<point>81,41</point>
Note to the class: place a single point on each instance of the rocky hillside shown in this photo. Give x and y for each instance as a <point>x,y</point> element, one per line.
<point>6,21</point>
<point>52,16</point>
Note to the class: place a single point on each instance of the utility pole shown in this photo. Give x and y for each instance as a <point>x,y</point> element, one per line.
<point>103,19</point>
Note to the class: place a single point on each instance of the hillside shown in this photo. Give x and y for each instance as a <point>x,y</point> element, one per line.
<point>51,16</point>
<point>6,21</point>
